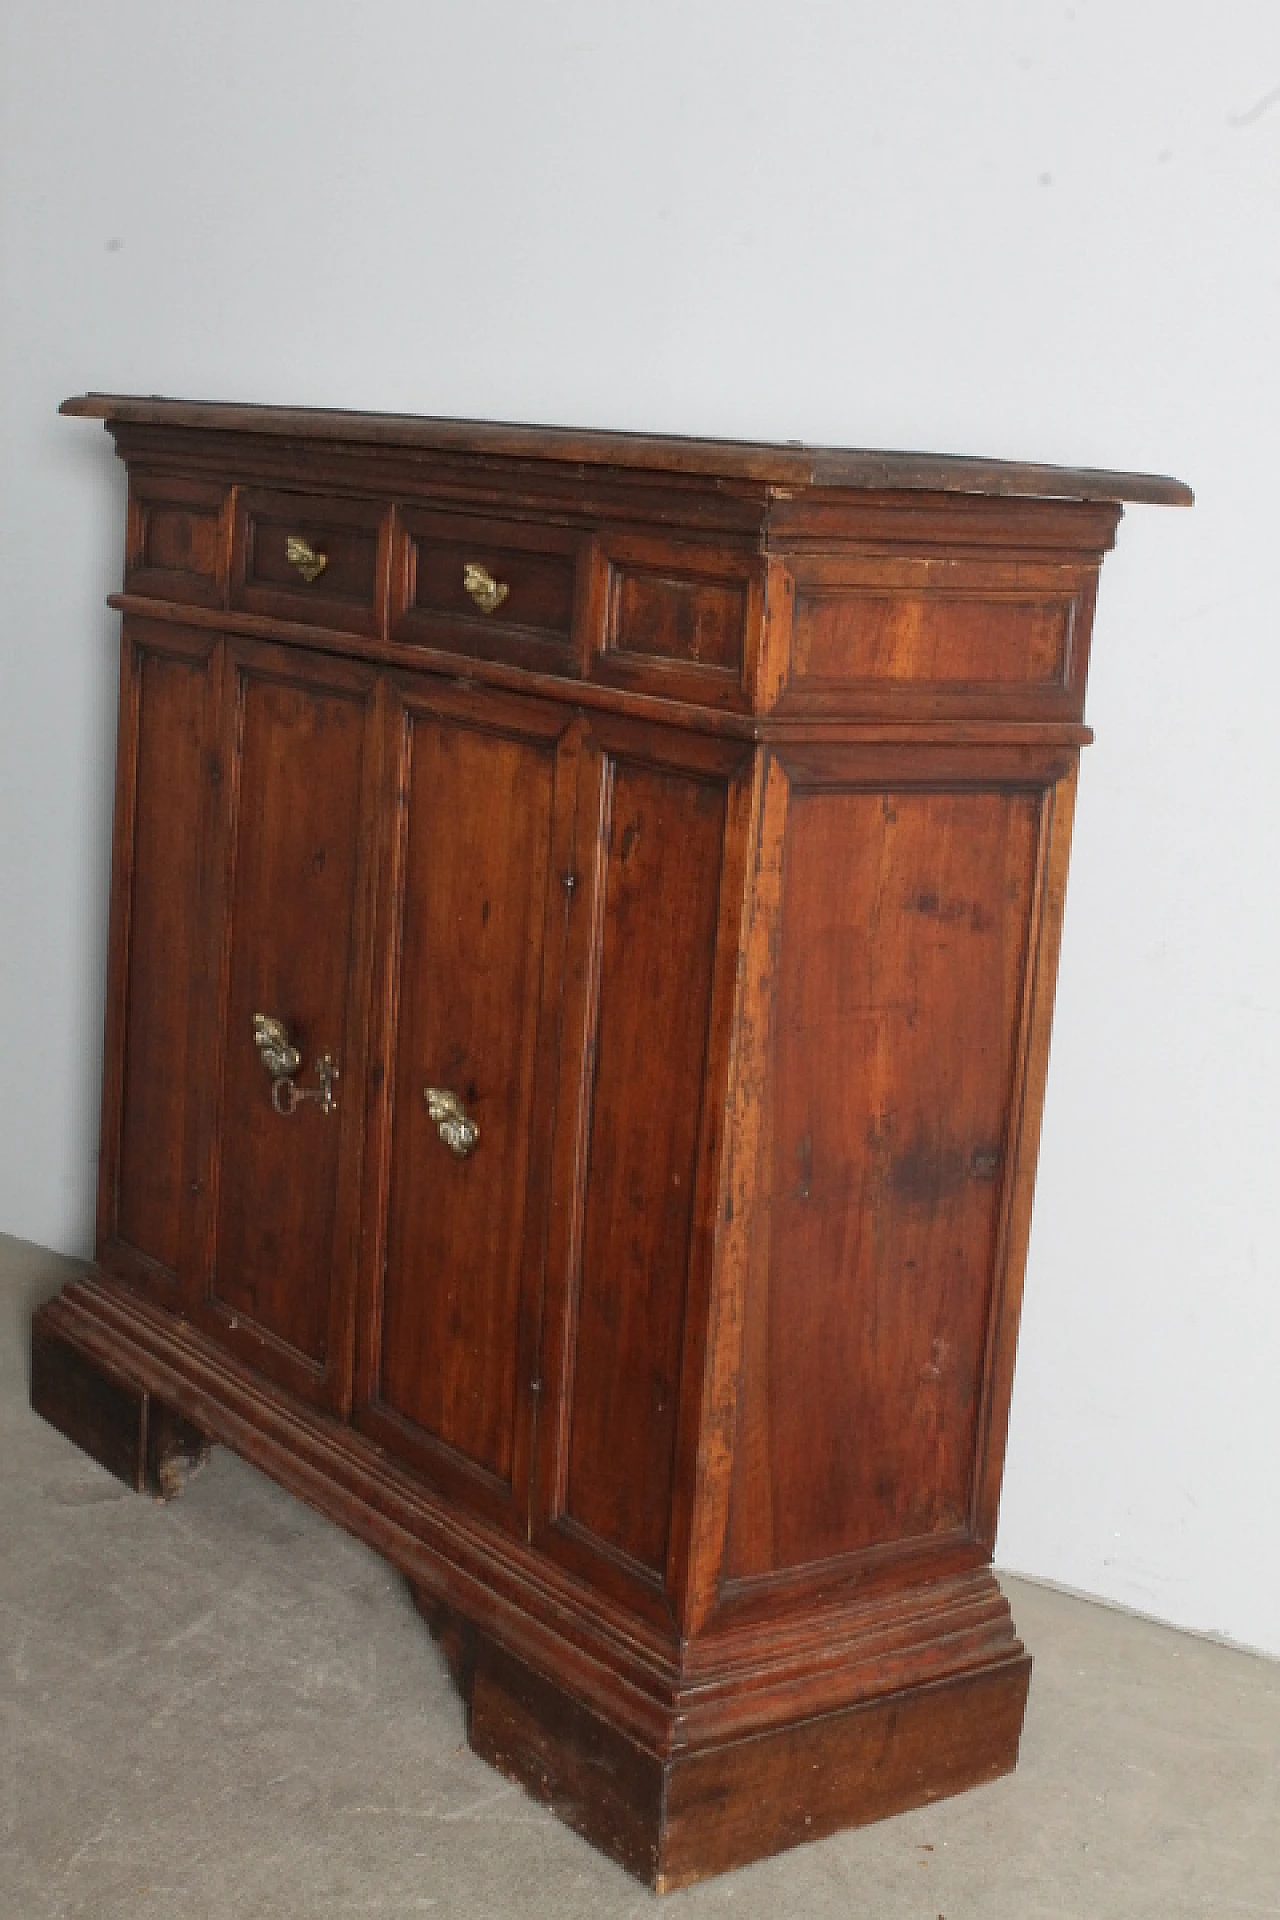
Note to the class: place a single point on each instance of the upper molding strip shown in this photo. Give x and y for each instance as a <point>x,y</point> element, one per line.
<point>788,466</point>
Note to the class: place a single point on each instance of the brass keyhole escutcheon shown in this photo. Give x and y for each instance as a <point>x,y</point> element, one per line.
<point>303,556</point>
<point>454,1124</point>
<point>282,1059</point>
<point>487,592</point>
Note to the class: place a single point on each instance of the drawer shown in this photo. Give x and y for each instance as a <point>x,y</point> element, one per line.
<point>311,557</point>
<point>681,618</point>
<point>496,589</point>
<point>945,635</point>
<point>176,547</point>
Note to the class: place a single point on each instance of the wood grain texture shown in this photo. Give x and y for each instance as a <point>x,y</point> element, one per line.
<point>791,465</point>
<point>899,983</point>
<point>540,566</point>
<point>719,871</point>
<point>351,536</point>
<point>651,842</point>
<point>683,618</point>
<point>447,1381</point>
<point>176,545</point>
<point>1044,939</point>
<point>291,928</point>
<point>676,1821</point>
<point>145,1220</point>
<point>732,1804</point>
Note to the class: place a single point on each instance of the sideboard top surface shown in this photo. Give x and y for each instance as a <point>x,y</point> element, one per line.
<point>789,465</point>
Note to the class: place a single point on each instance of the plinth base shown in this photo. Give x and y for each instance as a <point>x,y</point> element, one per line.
<point>612,1734</point>
<point>701,1813</point>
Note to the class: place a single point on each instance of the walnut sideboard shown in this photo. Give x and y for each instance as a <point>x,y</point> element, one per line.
<point>583,929</point>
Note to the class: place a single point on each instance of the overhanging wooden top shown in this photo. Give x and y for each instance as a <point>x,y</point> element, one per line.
<point>780,465</point>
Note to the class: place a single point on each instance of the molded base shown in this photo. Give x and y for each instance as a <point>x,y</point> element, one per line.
<point>622,1744</point>
<point>703,1812</point>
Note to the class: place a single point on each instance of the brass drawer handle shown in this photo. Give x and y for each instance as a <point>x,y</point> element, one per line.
<point>453,1123</point>
<point>301,554</point>
<point>282,1059</point>
<point>487,592</point>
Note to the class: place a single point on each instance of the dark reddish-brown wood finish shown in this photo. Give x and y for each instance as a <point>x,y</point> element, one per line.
<point>717,868</point>
<point>475,931</point>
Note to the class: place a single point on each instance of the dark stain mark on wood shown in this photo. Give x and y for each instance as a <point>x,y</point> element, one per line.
<point>804,1157</point>
<point>926,1176</point>
<point>950,912</point>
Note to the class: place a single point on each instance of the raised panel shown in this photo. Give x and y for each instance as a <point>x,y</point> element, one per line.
<point>455,1310</point>
<point>944,635</point>
<point>653,840</point>
<point>681,618</point>
<point>901,976</point>
<point>177,539</point>
<point>941,639</point>
<point>297,743</point>
<point>166,719</point>
<point>667,617</point>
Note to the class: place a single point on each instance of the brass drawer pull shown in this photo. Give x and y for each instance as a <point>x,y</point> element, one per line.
<point>487,592</point>
<point>282,1059</point>
<point>453,1123</point>
<point>301,554</point>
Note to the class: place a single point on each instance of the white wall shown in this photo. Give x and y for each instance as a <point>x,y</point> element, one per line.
<point>1007,227</point>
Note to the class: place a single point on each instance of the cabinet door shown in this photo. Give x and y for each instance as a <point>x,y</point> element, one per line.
<point>479,800</point>
<point>662,823</point>
<point>295,778</point>
<point>156,957</point>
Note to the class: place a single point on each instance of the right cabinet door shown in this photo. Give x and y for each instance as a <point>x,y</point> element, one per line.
<point>652,957</point>
<point>479,807</point>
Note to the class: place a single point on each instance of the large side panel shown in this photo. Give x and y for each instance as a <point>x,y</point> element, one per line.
<point>906,920</point>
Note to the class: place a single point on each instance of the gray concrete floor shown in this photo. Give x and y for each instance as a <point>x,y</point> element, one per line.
<point>224,1709</point>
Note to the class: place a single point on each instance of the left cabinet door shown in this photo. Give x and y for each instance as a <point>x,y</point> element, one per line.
<point>293,775</point>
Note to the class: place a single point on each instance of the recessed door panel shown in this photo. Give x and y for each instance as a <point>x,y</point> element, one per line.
<point>475,933</point>
<point>298,745</point>
<point>633,1138</point>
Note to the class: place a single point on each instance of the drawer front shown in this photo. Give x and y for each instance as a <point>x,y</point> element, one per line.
<point>176,543</point>
<point>497,589</point>
<point>681,618</point>
<point>311,557</point>
<point>938,634</point>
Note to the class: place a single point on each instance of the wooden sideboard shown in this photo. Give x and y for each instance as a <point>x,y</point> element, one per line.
<point>584,917</point>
